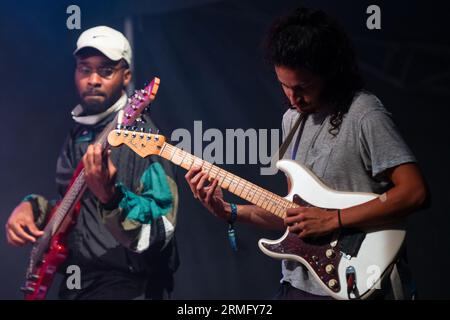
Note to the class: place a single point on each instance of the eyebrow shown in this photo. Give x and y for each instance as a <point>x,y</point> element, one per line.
<point>300,85</point>
<point>102,65</point>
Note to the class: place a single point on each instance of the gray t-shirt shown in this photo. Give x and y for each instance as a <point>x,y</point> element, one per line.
<point>367,144</point>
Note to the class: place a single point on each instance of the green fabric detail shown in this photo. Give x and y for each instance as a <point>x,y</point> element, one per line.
<point>86,136</point>
<point>29,197</point>
<point>155,199</point>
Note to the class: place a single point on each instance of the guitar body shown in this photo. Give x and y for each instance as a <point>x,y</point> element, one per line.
<point>324,259</point>
<point>40,275</point>
<point>40,281</point>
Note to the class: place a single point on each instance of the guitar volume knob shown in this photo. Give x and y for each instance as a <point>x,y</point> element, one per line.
<point>330,253</point>
<point>332,283</point>
<point>330,269</point>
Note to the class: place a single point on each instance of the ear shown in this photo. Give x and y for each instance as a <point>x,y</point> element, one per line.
<point>127,75</point>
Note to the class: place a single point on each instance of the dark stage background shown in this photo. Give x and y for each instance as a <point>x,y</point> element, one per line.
<point>209,58</point>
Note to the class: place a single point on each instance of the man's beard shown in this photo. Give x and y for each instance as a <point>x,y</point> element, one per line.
<point>94,102</point>
<point>302,106</point>
<point>90,108</point>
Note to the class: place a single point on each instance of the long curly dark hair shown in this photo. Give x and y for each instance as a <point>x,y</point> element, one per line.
<point>311,39</point>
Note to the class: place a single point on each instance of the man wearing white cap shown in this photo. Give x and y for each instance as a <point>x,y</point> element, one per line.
<point>123,240</point>
<point>111,52</point>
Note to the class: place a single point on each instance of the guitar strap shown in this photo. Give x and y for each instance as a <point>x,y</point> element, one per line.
<point>282,150</point>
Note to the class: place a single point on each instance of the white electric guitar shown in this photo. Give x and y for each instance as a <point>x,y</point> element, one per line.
<point>349,264</point>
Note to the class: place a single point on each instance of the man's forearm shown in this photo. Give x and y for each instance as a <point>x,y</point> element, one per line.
<point>254,215</point>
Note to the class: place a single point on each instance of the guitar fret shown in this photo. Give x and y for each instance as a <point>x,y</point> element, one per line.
<point>218,175</point>
<point>210,167</point>
<point>234,183</point>
<point>252,194</point>
<point>258,192</point>
<point>236,180</point>
<point>239,187</point>
<point>173,153</point>
<point>244,192</point>
<point>276,205</point>
<point>243,188</point>
<point>275,202</point>
<point>270,204</point>
<point>213,173</point>
<point>163,148</point>
<point>176,157</point>
<point>264,203</point>
<point>217,172</point>
<point>255,193</point>
<point>278,211</point>
<point>261,196</point>
<point>192,161</point>
<point>222,184</point>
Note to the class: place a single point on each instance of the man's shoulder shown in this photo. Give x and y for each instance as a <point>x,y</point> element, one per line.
<point>290,114</point>
<point>363,104</point>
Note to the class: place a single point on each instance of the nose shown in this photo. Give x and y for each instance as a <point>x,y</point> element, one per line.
<point>94,79</point>
<point>290,94</point>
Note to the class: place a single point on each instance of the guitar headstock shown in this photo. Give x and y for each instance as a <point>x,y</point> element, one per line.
<point>144,144</point>
<point>139,101</point>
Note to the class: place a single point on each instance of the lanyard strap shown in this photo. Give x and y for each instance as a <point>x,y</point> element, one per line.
<point>299,136</point>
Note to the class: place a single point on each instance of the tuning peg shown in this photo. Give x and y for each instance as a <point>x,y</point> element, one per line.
<point>27,289</point>
<point>33,277</point>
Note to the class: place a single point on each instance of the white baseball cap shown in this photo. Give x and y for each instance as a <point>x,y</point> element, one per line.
<point>108,41</point>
